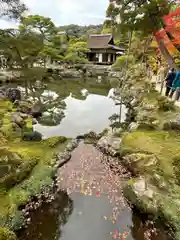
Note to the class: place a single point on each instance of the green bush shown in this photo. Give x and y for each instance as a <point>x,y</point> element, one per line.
<point>176,168</point>
<point>16,168</point>
<point>164,104</point>
<point>121,61</point>
<point>18,175</point>
<point>5,234</point>
<point>54,141</point>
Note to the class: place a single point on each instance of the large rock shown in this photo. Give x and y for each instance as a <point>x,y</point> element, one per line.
<point>138,163</point>
<point>36,111</point>
<point>173,124</point>
<point>23,106</point>
<point>13,94</point>
<point>3,93</point>
<point>133,126</point>
<point>151,200</point>
<point>16,118</point>
<point>142,195</point>
<point>110,144</point>
<point>32,136</point>
<point>148,107</point>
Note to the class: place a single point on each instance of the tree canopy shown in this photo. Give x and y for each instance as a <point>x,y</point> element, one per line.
<point>143,16</point>
<point>38,39</point>
<point>11,8</point>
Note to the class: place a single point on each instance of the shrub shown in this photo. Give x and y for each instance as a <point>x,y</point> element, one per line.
<point>54,141</point>
<point>121,61</point>
<point>176,167</point>
<point>5,234</point>
<point>164,104</point>
<point>14,168</point>
<point>18,175</point>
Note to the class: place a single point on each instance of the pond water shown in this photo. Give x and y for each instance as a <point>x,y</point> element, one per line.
<point>82,116</point>
<point>86,107</point>
<point>91,205</point>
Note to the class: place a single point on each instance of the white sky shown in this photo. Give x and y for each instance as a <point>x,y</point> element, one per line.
<point>63,12</point>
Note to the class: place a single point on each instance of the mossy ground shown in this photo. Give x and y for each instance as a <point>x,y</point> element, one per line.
<point>155,155</point>
<point>28,166</point>
<point>164,145</point>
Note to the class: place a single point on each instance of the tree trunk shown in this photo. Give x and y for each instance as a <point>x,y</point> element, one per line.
<point>165,53</point>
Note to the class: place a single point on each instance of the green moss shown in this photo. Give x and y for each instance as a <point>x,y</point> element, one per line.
<point>40,179</point>
<point>35,164</point>
<point>144,203</point>
<point>164,145</point>
<point>161,174</point>
<point>54,141</point>
<point>3,140</point>
<point>5,106</point>
<point>164,104</point>
<point>5,234</point>
<point>28,125</point>
<point>135,161</point>
<point>7,128</point>
<point>162,205</point>
<point>17,168</point>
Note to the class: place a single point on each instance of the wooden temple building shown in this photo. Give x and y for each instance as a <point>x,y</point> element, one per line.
<point>102,50</point>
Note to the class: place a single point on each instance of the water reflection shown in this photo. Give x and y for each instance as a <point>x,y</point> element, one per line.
<point>82,116</point>
<point>88,219</point>
<point>85,218</point>
<point>49,219</point>
<point>71,108</point>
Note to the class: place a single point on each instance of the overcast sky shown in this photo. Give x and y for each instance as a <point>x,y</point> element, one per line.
<point>62,12</point>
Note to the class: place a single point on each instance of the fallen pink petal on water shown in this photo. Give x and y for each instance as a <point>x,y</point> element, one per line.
<point>115,236</point>
<point>98,195</point>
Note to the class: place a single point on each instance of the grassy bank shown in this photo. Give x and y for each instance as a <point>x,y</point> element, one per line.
<point>26,169</point>
<point>152,152</point>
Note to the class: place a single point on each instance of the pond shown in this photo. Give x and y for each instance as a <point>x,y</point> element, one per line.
<point>90,206</point>
<point>72,108</point>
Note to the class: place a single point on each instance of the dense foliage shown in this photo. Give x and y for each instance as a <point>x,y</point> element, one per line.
<point>78,31</point>
<point>144,17</point>
<point>11,8</point>
<point>37,40</point>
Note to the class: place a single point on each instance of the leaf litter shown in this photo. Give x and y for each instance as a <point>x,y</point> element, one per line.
<point>92,173</point>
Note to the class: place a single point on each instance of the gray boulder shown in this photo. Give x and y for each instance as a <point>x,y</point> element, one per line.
<point>133,126</point>
<point>23,115</point>
<point>110,144</point>
<point>23,106</point>
<point>16,118</point>
<point>36,111</point>
<point>173,124</point>
<point>2,93</point>
<point>34,121</point>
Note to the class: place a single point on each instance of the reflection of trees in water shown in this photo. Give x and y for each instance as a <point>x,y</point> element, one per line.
<point>51,105</point>
<point>144,229</point>
<point>48,221</point>
<point>50,96</point>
